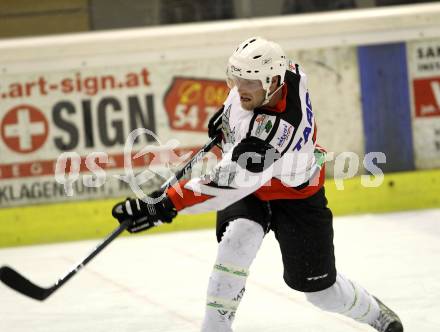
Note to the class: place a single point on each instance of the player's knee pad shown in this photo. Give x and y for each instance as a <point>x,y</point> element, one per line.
<point>240,243</point>
<point>237,249</point>
<point>337,298</point>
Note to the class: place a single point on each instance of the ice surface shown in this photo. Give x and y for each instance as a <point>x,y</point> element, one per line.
<point>158,283</point>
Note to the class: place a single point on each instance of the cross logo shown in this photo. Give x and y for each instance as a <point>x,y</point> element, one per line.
<point>24,129</point>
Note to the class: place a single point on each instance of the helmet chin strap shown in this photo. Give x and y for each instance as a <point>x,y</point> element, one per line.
<point>270,95</point>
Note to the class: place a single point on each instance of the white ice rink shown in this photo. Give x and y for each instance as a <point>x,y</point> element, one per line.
<point>158,282</point>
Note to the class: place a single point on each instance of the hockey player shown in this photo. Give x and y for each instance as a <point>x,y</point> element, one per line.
<point>270,177</point>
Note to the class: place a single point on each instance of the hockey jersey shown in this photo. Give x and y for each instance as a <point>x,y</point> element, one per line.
<point>289,130</point>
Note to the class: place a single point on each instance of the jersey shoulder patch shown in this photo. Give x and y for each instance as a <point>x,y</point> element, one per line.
<point>283,135</point>
<point>263,126</point>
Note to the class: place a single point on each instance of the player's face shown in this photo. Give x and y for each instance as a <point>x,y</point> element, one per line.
<point>251,92</point>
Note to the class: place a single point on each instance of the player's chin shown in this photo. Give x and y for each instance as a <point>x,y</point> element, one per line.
<point>247,105</point>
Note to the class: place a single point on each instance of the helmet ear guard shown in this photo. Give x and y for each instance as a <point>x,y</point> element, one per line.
<point>258,59</point>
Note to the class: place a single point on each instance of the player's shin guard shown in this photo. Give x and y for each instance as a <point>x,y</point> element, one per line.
<point>236,251</point>
<point>347,298</point>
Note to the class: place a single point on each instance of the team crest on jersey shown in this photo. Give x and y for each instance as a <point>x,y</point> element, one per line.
<point>264,124</point>
<point>228,132</point>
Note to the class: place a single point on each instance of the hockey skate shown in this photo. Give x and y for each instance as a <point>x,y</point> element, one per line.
<point>387,321</point>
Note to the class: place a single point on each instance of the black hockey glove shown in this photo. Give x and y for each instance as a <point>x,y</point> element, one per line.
<point>254,154</point>
<point>145,215</point>
<point>215,124</point>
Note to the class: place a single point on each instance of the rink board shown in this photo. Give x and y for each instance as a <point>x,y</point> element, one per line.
<point>92,219</point>
<point>149,75</point>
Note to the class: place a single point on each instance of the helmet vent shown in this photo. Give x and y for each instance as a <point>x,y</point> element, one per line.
<point>249,71</point>
<point>251,41</point>
<point>257,56</point>
<point>245,46</point>
<point>256,71</point>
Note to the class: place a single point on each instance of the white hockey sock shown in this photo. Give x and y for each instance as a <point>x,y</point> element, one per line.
<point>347,298</point>
<point>236,251</point>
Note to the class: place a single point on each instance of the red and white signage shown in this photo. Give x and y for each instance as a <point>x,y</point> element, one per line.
<point>427,97</point>
<point>85,110</point>
<point>191,102</point>
<point>424,70</point>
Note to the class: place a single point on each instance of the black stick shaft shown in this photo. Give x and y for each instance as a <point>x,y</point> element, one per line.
<point>122,227</point>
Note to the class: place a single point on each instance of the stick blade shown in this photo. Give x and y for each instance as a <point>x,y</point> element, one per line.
<point>17,282</point>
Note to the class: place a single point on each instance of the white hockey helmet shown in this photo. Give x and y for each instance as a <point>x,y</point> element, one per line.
<point>257,59</point>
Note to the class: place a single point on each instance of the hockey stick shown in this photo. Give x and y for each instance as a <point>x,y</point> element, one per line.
<point>17,282</point>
